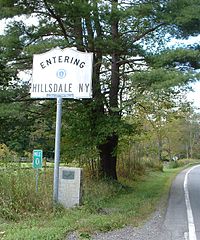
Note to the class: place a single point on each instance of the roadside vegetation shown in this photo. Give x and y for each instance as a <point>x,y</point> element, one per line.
<point>107,205</point>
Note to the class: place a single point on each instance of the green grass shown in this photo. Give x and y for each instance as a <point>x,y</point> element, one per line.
<point>106,206</point>
<point>18,196</point>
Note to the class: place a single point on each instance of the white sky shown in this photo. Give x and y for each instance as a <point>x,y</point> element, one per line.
<point>2,26</point>
<point>195,96</point>
<point>190,40</point>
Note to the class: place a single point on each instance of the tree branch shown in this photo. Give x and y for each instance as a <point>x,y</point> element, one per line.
<point>147,32</point>
<point>59,20</point>
<point>122,62</point>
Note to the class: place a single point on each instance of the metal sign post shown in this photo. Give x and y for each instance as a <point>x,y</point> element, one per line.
<point>36,180</point>
<point>57,149</point>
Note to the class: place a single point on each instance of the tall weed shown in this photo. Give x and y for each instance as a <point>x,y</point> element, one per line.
<point>97,193</point>
<point>18,196</point>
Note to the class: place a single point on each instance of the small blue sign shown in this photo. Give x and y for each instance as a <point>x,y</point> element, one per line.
<point>61,73</point>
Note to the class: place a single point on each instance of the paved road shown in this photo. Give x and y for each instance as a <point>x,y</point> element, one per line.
<point>179,214</point>
<point>175,224</point>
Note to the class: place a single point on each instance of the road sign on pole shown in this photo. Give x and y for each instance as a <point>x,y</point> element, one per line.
<point>37,158</point>
<point>60,73</point>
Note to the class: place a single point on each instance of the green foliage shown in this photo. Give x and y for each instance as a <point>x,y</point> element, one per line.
<point>182,163</point>
<point>95,196</point>
<point>159,79</point>
<point>176,58</point>
<point>185,14</point>
<point>10,9</point>
<point>170,128</point>
<point>173,164</point>
<point>27,124</point>
<point>5,75</point>
<point>18,196</point>
<point>82,132</point>
<point>6,156</point>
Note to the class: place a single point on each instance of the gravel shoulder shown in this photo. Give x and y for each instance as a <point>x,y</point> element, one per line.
<point>151,229</point>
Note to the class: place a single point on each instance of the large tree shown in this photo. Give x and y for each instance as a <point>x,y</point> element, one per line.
<point>122,35</point>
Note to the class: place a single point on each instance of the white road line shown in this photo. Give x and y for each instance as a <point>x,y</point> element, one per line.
<point>191,226</point>
<point>186,235</point>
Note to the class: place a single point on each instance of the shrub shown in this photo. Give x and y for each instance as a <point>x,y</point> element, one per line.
<point>173,164</point>
<point>6,156</point>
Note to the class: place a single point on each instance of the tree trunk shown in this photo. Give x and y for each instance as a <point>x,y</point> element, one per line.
<point>108,150</point>
<point>160,149</point>
<point>108,157</point>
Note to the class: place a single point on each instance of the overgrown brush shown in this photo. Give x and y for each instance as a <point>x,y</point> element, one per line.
<point>19,199</point>
<point>18,196</point>
<point>97,193</point>
<point>182,162</point>
<point>7,156</point>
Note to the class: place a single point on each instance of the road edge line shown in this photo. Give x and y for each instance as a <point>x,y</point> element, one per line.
<point>191,226</point>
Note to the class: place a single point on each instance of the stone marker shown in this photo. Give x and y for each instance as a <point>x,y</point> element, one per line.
<point>70,186</point>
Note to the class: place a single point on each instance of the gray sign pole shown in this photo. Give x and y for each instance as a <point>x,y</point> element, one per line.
<point>57,150</point>
<point>37,179</point>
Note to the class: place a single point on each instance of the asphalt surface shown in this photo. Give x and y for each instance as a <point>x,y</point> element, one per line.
<point>175,226</point>
<point>170,223</point>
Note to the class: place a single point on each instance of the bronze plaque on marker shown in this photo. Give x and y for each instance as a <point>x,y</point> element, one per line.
<point>68,175</point>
